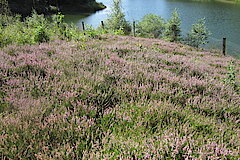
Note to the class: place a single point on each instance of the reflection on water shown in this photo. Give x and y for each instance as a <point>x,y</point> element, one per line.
<point>222,19</point>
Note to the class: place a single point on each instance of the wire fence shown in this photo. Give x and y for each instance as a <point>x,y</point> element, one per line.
<point>224,45</point>
<point>232,48</point>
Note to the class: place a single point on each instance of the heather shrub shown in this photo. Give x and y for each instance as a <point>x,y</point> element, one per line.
<point>198,35</point>
<point>172,32</point>
<point>102,96</point>
<point>117,22</point>
<point>117,98</point>
<point>28,70</point>
<point>151,26</point>
<point>5,106</point>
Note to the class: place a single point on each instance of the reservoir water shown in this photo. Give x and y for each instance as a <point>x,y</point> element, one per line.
<point>222,19</point>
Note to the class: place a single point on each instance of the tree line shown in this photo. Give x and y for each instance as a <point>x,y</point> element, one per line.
<point>37,28</point>
<point>154,26</point>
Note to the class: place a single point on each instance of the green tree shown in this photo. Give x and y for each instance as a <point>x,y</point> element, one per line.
<point>173,29</point>
<point>198,35</point>
<point>117,20</point>
<point>151,26</point>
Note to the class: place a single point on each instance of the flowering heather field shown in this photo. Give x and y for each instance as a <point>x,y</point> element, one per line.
<point>118,97</point>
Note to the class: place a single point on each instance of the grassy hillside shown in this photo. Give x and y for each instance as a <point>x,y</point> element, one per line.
<point>118,97</point>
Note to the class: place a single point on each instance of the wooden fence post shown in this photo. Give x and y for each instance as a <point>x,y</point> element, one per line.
<point>134,26</point>
<point>224,46</point>
<point>83,26</point>
<point>102,24</point>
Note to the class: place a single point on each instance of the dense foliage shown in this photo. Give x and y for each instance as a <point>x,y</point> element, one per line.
<point>36,29</point>
<point>151,26</point>
<point>117,97</point>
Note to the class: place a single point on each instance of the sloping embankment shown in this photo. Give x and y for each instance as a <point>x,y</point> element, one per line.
<point>118,97</point>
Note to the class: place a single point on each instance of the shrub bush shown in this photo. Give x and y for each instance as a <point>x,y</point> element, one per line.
<point>151,26</point>
<point>36,29</point>
<point>38,25</point>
